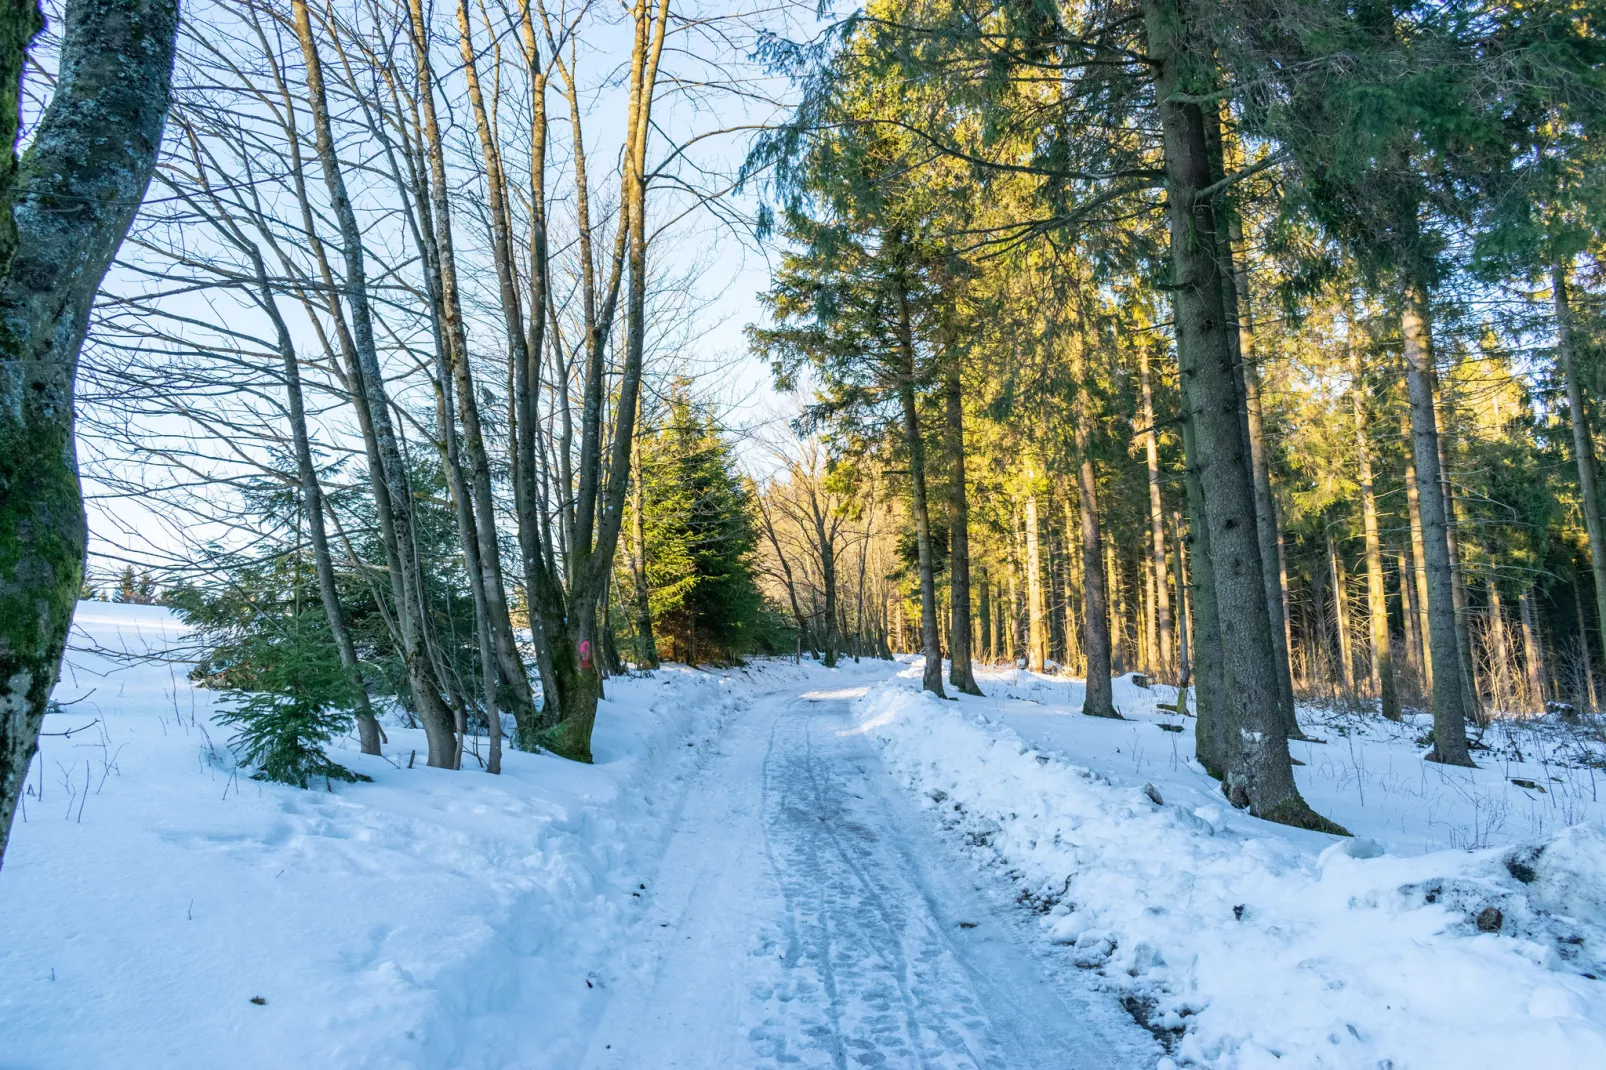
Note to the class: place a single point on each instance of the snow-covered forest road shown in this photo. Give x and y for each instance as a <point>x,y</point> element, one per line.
<point>807,914</point>
<point>780,864</point>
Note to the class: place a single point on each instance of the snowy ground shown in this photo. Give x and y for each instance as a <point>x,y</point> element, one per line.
<point>429,919</point>
<point>789,866</point>
<point>1246,944</point>
<point>737,882</point>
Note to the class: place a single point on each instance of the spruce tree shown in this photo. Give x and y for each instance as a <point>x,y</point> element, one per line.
<point>292,697</point>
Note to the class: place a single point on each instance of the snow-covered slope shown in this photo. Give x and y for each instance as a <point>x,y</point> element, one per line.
<point>428,919</point>
<point>1257,945</point>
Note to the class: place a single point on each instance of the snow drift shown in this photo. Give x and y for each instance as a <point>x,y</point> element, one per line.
<point>1251,945</point>
<point>163,910</point>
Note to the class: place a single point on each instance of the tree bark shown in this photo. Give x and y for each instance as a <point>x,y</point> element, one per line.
<point>66,207</point>
<point>1260,775</point>
<point>914,443</point>
<point>960,673</point>
<point>984,611</point>
<point>1075,655</point>
<point>1211,744</point>
<point>1586,659</point>
<point>1419,568</point>
<point>1449,713</point>
<point>1382,661</point>
<point>1533,659</point>
<point>387,470</point>
<point>1341,618</point>
<point>1096,643</point>
<point>369,733</point>
<point>1408,611</point>
<point>1583,446</point>
<point>1036,621</point>
<point>640,593</point>
<point>1241,343</point>
<point>600,508</point>
<point>825,542</point>
<point>1502,683</point>
<point>515,685</point>
<point>1471,701</point>
<point>1183,664</point>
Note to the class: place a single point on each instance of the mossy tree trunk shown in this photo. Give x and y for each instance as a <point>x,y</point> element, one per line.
<point>65,209</point>
<point>570,619</point>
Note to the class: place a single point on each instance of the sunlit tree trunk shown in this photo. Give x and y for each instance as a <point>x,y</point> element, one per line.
<point>1036,624</point>
<point>1583,446</point>
<point>1341,618</point>
<point>387,469</point>
<point>1419,568</point>
<point>959,673</point>
<point>1184,664</point>
<point>1382,660</point>
<point>1157,519</point>
<point>1533,659</point>
<point>914,444</point>
<point>1449,711</point>
<point>1501,653</point>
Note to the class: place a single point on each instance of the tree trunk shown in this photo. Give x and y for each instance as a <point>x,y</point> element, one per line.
<point>1409,611</point>
<point>600,506</point>
<point>1260,775</point>
<point>368,731</point>
<point>1583,447</point>
<point>1184,666</point>
<point>1268,531</point>
<point>1585,658</point>
<point>786,574</point>
<point>1341,619</point>
<point>1502,653</point>
<point>960,673</point>
<point>1075,652</point>
<point>1449,712</point>
<point>828,582</point>
<point>387,469</point>
<point>1036,624</point>
<point>1382,662</point>
<point>1419,567</point>
<point>984,611</point>
<point>1211,744</point>
<point>515,690</point>
<point>640,594</point>
<point>930,633</point>
<point>1532,659</point>
<point>1096,642</point>
<point>67,206</point>
<point>1471,701</point>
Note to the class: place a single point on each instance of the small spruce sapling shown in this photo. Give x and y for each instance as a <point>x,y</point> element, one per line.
<point>298,700</point>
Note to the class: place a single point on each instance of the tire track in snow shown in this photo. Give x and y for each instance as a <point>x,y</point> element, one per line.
<point>806,915</point>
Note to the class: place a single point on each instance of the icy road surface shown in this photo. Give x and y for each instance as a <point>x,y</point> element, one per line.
<point>807,914</point>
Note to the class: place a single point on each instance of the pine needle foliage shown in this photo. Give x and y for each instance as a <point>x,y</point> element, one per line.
<point>292,699</point>
<point>701,538</point>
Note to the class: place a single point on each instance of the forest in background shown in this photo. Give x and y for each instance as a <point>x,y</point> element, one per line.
<point>1253,346</point>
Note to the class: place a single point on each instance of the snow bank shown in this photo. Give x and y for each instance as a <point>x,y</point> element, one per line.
<point>1252,945</point>
<point>430,919</point>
